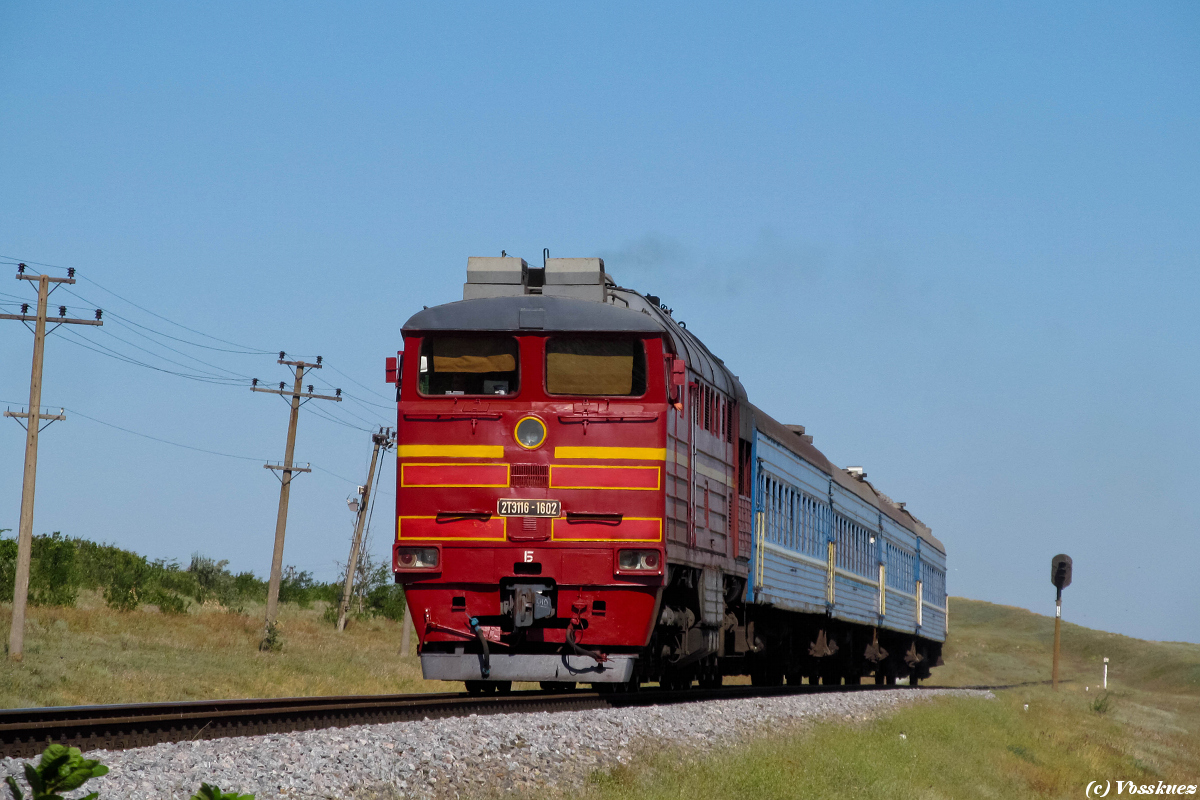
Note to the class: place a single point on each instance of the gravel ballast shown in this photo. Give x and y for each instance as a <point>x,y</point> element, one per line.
<point>464,755</point>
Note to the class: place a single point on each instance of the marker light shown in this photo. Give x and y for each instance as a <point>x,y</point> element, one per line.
<point>648,560</point>
<point>416,558</point>
<point>530,433</point>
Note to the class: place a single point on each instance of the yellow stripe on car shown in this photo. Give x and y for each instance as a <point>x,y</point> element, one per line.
<point>614,453</point>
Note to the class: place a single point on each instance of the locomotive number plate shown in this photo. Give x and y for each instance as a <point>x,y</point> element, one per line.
<point>529,508</point>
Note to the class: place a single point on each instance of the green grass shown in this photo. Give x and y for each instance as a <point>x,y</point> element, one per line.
<point>1146,729</point>
<point>92,654</point>
<point>990,644</point>
<point>953,748</point>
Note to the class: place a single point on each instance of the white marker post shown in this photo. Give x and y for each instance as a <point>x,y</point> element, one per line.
<point>1106,673</point>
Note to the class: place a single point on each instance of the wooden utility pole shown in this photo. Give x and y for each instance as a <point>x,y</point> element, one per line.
<point>383,440</point>
<point>33,417</point>
<point>287,469</point>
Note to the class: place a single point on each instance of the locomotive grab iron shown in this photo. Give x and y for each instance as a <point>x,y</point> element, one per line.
<point>585,494</point>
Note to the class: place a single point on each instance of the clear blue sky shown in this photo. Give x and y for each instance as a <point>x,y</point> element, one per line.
<point>958,242</point>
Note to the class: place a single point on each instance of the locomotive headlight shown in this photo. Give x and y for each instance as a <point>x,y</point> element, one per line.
<point>530,433</point>
<point>644,560</point>
<point>416,558</point>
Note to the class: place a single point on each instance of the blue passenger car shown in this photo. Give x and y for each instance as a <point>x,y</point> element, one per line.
<point>827,544</point>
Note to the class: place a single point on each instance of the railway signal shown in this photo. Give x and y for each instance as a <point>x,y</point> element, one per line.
<point>1060,576</point>
<point>33,417</point>
<point>287,469</point>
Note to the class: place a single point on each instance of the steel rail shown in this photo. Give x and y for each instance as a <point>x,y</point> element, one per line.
<point>27,731</point>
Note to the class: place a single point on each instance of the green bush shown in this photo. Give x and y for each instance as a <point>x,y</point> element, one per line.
<point>54,577</point>
<point>168,602</point>
<point>297,587</point>
<point>375,594</point>
<point>127,581</point>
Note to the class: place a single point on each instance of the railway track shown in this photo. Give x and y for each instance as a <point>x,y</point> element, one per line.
<point>26,731</point>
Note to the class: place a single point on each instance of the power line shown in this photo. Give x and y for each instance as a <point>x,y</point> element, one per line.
<point>368,388</point>
<point>320,412</point>
<point>179,363</point>
<point>105,351</point>
<point>164,441</point>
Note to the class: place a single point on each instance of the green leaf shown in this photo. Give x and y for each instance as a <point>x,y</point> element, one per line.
<point>34,779</point>
<point>91,796</point>
<point>53,753</point>
<point>14,788</point>
<point>210,792</point>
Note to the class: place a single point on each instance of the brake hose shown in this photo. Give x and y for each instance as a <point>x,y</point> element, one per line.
<point>486,671</point>
<point>583,651</point>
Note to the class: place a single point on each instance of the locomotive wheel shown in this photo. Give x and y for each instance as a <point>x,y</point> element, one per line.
<point>480,687</point>
<point>879,677</point>
<point>502,687</point>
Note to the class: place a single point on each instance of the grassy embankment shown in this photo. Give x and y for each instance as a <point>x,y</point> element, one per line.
<point>1146,729</point>
<point>93,654</point>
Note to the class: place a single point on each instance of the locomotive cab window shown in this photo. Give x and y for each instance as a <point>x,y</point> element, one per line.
<point>590,365</point>
<point>468,365</point>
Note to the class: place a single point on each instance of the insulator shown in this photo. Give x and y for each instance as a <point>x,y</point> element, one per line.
<point>318,361</point>
<point>254,381</point>
<point>62,311</point>
<point>20,269</point>
<point>99,313</point>
<point>338,392</point>
<point>310,389</point>
<point>282,355</point>
<point>281,385</point>
<point>70,272</point>
<point>24,308</point>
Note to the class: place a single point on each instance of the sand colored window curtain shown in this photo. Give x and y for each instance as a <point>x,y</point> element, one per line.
<point>595,366</point>
<point>469,365</point>
<point>473,354</point>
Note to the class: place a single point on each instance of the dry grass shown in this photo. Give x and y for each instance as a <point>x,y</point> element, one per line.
<point>92,654</point>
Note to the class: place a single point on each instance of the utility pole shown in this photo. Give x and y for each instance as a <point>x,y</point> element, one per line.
<point>33,417</point>
<point>287,470</point>
<point>383,440</point>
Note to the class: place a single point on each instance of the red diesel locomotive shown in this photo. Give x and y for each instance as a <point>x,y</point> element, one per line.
<point>575,494</point>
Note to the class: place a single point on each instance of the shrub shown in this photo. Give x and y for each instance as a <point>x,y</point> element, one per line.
<point>273,641</point>
<point>128,575</point>
<point>53,575</point>
<point>296,587</point>
<point>168,602</point>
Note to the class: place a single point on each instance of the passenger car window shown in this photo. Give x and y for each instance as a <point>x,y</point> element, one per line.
<point>588,365</point>
<point>468,365</point>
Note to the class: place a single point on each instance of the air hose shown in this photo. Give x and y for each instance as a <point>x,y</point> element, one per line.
<point>486,670</point>
<point>583,651</point>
